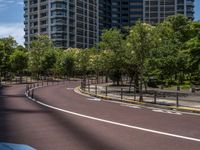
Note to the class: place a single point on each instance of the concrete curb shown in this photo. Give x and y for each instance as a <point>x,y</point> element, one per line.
<point>184,109</point>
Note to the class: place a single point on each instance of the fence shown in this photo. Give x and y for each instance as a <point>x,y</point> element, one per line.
<point>30,88</point>
<point>26,80</point>
<point>155,96</point>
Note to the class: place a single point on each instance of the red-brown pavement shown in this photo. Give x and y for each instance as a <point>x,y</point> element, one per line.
<point>26,122</point>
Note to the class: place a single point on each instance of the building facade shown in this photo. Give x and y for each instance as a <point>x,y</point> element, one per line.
<point>69,23</point>
<point>155,11</point>
<point>79,23</point>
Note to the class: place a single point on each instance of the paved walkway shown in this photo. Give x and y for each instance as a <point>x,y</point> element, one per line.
<point>163,97</point>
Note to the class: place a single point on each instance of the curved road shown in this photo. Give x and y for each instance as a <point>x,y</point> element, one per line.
<point>75,122</point>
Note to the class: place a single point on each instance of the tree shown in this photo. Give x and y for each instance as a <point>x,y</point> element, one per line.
<point>19,62</point>
<point>68,62</point>
<point>48,61</point>
<point>39,48</point>
<point>180,25</point>
<point>140,41</point>
<point>112,41</point>
<point>193,47</point>
<point>82,62</point>
<point>169,61</point>
<point>7,46</point>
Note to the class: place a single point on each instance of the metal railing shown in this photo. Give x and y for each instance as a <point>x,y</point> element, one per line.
<point>153,96</point>
<point>31,87</point>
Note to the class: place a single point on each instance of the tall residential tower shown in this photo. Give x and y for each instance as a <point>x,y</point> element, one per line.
<point>78,23</point>
<point>69,23</point>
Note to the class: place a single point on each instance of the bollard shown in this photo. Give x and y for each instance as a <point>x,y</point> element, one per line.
<point>42,82</point>
<point>32,93</point>
<point>47,83</point>
<point>88,81</point>
<point>121,93</point>
<point>134,94</point>
<point>155,96</point>
<point>106,91</point>
<point>89,88</point>
<point>177,100</point>
<point>95,89</point>
<point>84,86</point>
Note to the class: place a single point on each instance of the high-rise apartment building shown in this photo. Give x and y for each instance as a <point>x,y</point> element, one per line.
<point>69,23</point>
<point>155,11</point>
<point>78,23</point>
<point>127,12</point>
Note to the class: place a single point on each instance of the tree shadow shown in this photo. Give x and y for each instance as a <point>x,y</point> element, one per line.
<point>3,127</point>
<point>68,125</point>
<point>6,111</point>
<point>84,135</point>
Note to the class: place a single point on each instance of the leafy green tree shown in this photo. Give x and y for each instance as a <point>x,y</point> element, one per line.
<point>193,46</point>
<point>19,62</point>
<point>112,41</point>
<point>7,46</point>
<point>105,60</point>
<point>169,61</point>
<point>48,61</point>
<point>180,25</point>
<point>66,62</point>
<point>82,62</point>
<point>39,48</point>
<point>140,41</point>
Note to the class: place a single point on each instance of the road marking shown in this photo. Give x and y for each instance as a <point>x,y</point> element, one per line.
<point>131,106</point>
<point>115,123</point>
<point>167,111</point>
<point>93,99</point>
<point>70,88</point>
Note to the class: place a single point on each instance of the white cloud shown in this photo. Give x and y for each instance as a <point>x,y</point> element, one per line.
<point>15,30</point>
<point>4,4</point>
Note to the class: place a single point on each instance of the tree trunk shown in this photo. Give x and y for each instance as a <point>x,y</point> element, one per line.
<point>140,92</point>
<point>106,77</point>
<point>0,80</point>
<point>20,75</point>
<point>136,82</point>
<point>130,83</point>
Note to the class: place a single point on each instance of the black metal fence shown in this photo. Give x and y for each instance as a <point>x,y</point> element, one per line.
<point>129,93</point>
<point>30,87</point>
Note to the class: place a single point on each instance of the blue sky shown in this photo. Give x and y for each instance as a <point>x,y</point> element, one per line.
<point>11,18</point>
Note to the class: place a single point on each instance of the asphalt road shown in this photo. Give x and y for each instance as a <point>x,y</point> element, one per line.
<point>70,121</point>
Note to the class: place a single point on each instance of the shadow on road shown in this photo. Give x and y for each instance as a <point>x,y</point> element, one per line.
<point>3,115</point>
<point>15,106</point>
<point>10,112</point>
<point>81,134</point>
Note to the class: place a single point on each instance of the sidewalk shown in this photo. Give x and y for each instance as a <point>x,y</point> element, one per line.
<point>163,98</point>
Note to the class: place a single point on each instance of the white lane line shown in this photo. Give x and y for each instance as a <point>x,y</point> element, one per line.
<point>166,111</point>
<point>70,88</point>
<point>115,123</point>
<point>93,99</point>
<point>131,106</point>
